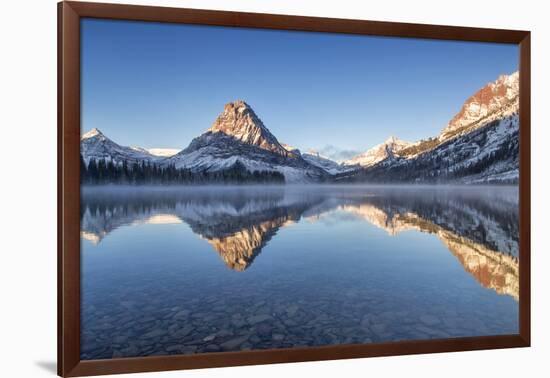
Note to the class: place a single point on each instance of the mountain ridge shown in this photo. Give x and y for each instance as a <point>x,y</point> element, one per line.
<point>385,150</point>
<point>489,99</point>
<point>95,145</point>
<point>479,144</point>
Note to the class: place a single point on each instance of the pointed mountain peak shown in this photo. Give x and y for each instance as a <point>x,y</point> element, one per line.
<point>239,121</point>
<point>93,133</point>
<point>239,105</point>
<point>237,108</point>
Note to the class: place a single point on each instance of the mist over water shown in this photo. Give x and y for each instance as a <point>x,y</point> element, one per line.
<point>171,270</point>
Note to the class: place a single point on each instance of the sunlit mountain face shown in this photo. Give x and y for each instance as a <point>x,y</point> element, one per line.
<point>477,226</point>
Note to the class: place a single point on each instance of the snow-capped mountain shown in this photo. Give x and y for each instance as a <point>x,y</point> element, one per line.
<point>389,149</point>
<point>486,155</point>
<point>95,145</point>
<point>479,145</point>
<point>239,121</point>
<point>493,98</point>
<point>163,152</point>
<point>239,137</point>
<point>323,162</point>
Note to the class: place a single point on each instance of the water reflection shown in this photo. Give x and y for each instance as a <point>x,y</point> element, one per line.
<point>479,226</point>
<point>302,266</point>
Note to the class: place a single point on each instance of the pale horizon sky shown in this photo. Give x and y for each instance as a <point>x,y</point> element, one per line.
<point>160,85</point>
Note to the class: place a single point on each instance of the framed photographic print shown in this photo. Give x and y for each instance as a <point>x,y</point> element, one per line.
<point>239,188</point>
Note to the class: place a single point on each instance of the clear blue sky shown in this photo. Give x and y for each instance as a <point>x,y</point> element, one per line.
<point>160,85</point>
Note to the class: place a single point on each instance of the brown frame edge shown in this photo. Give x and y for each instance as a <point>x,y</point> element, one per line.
<point>69,14</point>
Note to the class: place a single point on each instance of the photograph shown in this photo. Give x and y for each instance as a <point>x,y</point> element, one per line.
<point>252,189</point>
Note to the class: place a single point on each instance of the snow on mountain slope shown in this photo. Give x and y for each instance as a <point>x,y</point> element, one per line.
<point>213,153</point>
<point>386,150</point>
<point>329,166</point>
<point>488,154</point>
<point>290,148</point>
<point>239,136</point>
<point>494,101</point>
<point>95,145</point>
<point>315,158</point>
<point>492,98</point>
<point>163,152</point>
<point>479,145</point>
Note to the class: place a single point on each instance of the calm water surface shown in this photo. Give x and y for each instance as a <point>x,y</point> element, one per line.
<point>193,270</point>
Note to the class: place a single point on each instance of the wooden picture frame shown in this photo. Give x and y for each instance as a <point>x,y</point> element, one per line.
<point>69,16</point>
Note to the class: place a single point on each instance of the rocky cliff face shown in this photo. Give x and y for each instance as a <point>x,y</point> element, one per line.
<point>493,98</point>
<point>239,121</point>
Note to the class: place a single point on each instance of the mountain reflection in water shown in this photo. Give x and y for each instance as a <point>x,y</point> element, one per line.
<point>479,226</point>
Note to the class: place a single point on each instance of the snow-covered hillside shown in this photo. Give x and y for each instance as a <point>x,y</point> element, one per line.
<point>163,152</point>
<point>486,155</point>
<point>386,150</point>
<point>479,145</point>
<point>323,162</point>
<point>239,137</point>
<point>95,145</point>
<point>493,98</point>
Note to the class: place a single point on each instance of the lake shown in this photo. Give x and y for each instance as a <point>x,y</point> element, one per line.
<point>182,270</point>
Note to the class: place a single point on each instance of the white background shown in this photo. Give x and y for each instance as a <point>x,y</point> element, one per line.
<point>28,190</point>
